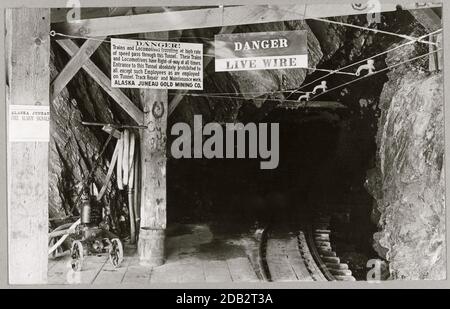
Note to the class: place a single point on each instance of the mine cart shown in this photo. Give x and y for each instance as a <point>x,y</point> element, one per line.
<point>91,237</point>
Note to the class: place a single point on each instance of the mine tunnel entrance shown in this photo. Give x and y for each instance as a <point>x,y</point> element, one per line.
<point>324,156</point>
<point>329,158</point>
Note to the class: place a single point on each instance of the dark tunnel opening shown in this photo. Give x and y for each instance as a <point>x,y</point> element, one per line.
<point>323,160</point>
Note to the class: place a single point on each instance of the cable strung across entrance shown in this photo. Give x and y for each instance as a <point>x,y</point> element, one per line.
<point>217,95</point>
<point>362,61</point>
<point>381,71</point>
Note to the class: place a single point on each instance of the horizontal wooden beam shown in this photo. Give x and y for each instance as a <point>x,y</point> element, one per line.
<point>73,66</point>
<point>71,48</point>
<point>59,15</point>
<point>213,17</point>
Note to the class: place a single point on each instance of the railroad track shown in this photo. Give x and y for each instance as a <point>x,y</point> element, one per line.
<point>301,254</point>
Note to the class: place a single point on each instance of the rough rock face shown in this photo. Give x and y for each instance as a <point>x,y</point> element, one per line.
<point>73,147</point>
<point>408,182</point>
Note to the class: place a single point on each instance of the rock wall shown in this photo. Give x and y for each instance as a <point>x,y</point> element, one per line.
<point>408,183</point>
<point>73,147</point>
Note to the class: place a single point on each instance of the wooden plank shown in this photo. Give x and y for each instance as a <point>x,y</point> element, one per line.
<point>192,273</point>
<point>153,170</point>
<point>206,61</point>
<point>212,17</point>
<point>92,266</point>
<point>28,55</point>
<point>136,274</point>
<point>216,271</point>
<point>73,66</point>
<point>427,18</point>
<point>167,273</point>
<point>62,272</point>
<point>60,14</point>
<point>128,106</point>
<point>296,261</point>
<point>431,22</point>
<point>277,260</point>
<point>241,270</point>
<point>111,275</point>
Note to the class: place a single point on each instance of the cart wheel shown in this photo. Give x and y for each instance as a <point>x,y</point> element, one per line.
<point>116,252</point>
<point>77,255</point>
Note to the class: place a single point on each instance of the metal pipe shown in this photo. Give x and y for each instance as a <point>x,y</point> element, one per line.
<point>132,217</point>
<point>137,187</point>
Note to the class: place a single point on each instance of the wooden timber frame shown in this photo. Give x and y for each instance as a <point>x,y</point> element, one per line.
<point>28,33</point>
<point>28,83</point>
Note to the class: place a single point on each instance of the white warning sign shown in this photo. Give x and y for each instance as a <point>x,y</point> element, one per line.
<point>156,64</point>
<point>29,123</point>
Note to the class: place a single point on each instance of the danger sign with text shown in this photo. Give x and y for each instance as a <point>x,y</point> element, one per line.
<point>156,64</point>
<point>261,51</point>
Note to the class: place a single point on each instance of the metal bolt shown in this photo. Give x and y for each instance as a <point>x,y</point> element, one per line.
<point>83,31</point>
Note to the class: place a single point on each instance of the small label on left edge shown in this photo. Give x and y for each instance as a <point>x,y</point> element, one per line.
<point>29,123</point>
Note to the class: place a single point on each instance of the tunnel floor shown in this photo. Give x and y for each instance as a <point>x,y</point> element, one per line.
<point>196,253</point>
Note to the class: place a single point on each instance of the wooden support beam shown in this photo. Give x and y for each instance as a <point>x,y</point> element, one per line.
<point>431,22</point>
<point>427,18</point>
<point>437,59</point>
<point>28,58</point>
<point>207,60</point>
<point>60,14</point>
<point>73,66</point>
<point>153,166</point>
<point>71,48</point>
<point>213,17</point>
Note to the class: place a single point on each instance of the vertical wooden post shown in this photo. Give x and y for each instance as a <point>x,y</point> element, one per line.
<point>153,163</point>
<point>436,60</point>
<point>28,53</point>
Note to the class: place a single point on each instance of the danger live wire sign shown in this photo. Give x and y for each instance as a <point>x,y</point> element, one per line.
<point>261,51</point>
<point>156,64</point>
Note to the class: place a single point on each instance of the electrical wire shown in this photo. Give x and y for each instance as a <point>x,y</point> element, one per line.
<point>411,39</point>
<point>378,72</point>
<point>320,94</point>
<point>362,61</point>
<point>335,88</point>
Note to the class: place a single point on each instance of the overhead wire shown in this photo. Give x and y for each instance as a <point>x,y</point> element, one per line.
<point>320,94</point>
<point>411,40</point>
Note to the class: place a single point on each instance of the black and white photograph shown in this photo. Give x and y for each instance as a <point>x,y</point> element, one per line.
<point>290,143</point>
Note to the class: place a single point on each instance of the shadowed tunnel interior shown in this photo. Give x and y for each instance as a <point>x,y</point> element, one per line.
<point>370,167</point>
<point>324,157</point>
